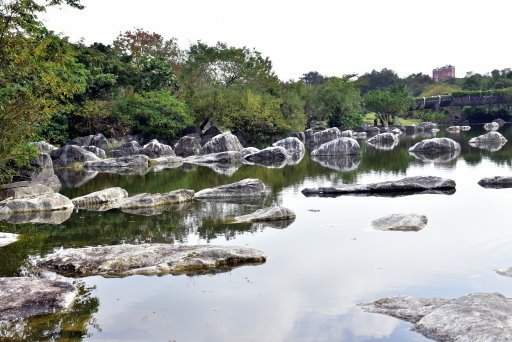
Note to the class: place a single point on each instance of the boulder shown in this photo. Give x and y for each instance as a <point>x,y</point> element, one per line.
<point>477,317</point>
<point>428,125</point>
<point>266,214</point>
<point>149,259</point>
<point>189,145</point>
<point>210,133</point>
<point>80,141</point>
<point>97,151</point>
<point>326,135</point>
<point>436,156</point>
<point>44,147</point>
<point>7,238</point>
<point>244,188</point>
<point>47,202</point>
<point>23,297</point>
<point>109,195</point>
<point>129,162</point>
<point>347,133</point>
<point>434,145</point>
<point>343,163</point>
<point>497,182</point>
<point>290,144</point>
<point>248,150</point>
<point>384,141</point>
<point>222,143</point>
<point>309,136</point>
<point>128,149</point>
<point>269,155</point>
<point>372,130</point>
<point>19,190</point>
<point>154,149</point>
<point>40,171</point>
<point>299,135</point>
<point>167,162</point>
<point>221,157</point>
<point>146,200</point>
<point>359,135</point>
<point>396,131</point>
<point>99,141</point>
<point>337,147</point>
<point>55,217</point>
<point>435,130</point>
<point>491,126</point>
<point>401,222</point>
<point>71,154</point>
<point>411,129</point>
<point>453,129</point>
<point>500,122</point>
<point>405,186</point>
<point>491,137</point>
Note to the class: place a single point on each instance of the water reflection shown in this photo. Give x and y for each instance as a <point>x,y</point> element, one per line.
<point>71,178</point>
<point>436,156</point>
<point>341,163</point>
<point>491,146</point>
<point>43,217</point>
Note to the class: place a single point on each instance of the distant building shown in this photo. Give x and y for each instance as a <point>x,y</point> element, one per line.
<point>443,73</point>
<point>470,73</point>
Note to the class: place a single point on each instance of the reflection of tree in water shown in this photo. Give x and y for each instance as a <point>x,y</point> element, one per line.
<point>71,325</point>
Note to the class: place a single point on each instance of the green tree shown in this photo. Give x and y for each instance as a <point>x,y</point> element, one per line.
<point>383,79</point>
<point>388,103</point>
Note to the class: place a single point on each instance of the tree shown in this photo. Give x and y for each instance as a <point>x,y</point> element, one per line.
<point>313,78</point>
<point>383,79</point>
<point>417,83</point>
<point>388,103</point>
<point>341,102</point>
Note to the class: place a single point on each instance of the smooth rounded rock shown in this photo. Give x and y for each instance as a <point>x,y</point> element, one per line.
<point>401,222</point>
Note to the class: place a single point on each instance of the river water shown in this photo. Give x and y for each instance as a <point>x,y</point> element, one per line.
<point>318,269</point>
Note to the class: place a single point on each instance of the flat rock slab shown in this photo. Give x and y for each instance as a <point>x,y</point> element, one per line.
<point>405,186</point>
<point>25,297</point>
<point>23,190</point>
<point>220,157</point>
<point>48,202</point>
<point>154,200</point>
<point>7,238</point>
<point>497,182</point>
<point>149,259</point>
<point>245,188</point>
<point>476,317</point>
<point>128,162</point>
<point>109,195</point>
<point>401,222</point>
<point>266,214</point>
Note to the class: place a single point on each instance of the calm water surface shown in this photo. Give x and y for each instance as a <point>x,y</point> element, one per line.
<point>318,269</point>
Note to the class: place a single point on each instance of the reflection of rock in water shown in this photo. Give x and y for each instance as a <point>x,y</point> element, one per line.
<point>274,225</point>
<point>165,166</point>
<point>158,210</point>
<point>187,167</point>
<point>269,163</point>
<point>224,169</point>
<point>135,171</point>
<point>296,157</point>
<point>383,145</point>
<point>491,146</point>
<point>74,179</point>
<point>42,217</point>
<point>436,156</point>
<point>342,163</point>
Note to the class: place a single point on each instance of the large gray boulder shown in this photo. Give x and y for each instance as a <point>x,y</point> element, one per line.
<point>44,147</point>
<point>7,238</point>
<point>128,149</point>
<point>146,200</point>
<point>291,144</point>
<point>71,154</point>
<point>129,162</point>
<point>275,213</point>
<point>343,163</point>
<point>435,145</point>
<point>409,185</point>
<point>269,156</point>
<point>189,145</point>
<point>477,317</point>
<point>149,259</point>
<point>491,137</point>
<point>220,157</point>
<point>110,195</point>
<point>248,150</point>
<point>491,126</point>
<point>100,153</point>
<point>401,222</point>
<point>244,188</point>
<point>326,135</point>
<point>497,182</point>
<point>20,190</point>
<point>337,147</point>
<point>97,140</point>
<point>155,149</point>
<point>40,171</point>
<point>222,143</point>
<point>46,202</point>
<point>23,297</point>
<point>384,141</point>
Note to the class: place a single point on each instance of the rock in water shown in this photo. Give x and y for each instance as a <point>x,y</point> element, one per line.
<point>97,151</point>
<point>109,195</point>
<point>7,239</point>
<point>384,141</point>
<point>290,144</point>
<point>149,259</point>
<point>435,145</point>
<point>25,297</point>
<point>437,156</point>
<point>326,135</point>
<point>497,182</point>
<point>40,171</point>
<point>131,162</point>
<point>47,202</point>
<point>401,222</point>
<point>342,163</point>
<point>454,129</point>
<point>221,157</point>
<point>244,188</point>
<point>248,150</point>
<point>337,147</point>
<point>189,145</point>
<point>268,155</point>
<point>20,190</point>
<point>128,149</point>
<point>41,217</point>
<point>154,149</point>
<point>222,143</point>
<point>488,138</point>
<point>153,200</point>
<point>408,185</point>
<point>491,126</point>
<point>71,154</point>
<point>266,214</point>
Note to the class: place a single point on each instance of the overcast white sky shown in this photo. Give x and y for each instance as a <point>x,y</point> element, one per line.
<point>331,37</point>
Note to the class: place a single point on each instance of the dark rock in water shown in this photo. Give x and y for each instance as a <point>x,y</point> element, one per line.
<point>128,149</point>
<point>154,149</point>
<point>491,126</point>
<point>401,222</point>
<point>109,195</point>
<point>497,182</point>
<point>266,214</point>
<point>118,164</point>
<point>477,317</point>
<point>20,190</point>
<point>309,136</point>
<point>25,297</point>
<point>337,147</point>
<point>221,157</point>
<point>71,154</point>
<point>428,125</point>
<point>500,122</point>
<point>269,155</point>
<point>74,178</point>
<point>436,156</point>
<point>149,259</point>
<point>435,145</point>
<point>409,185</point>
<point>40,171</point>
<point>188,145</point>
<point>372,131</point>
<point>97,151</point>
<point>146,200</point>
<point>245,188</point>
<point>326,135</point>
<point>222,143</point>
<point>342,163</point>
<point>54,217</point>
<point>248,150</point>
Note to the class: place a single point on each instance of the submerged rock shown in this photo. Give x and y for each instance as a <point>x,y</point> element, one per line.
<point>244,188</point>
<point>401,222</point>
<point>149,259</point>
<point>326,135</point>
<point>155,149</point>
<point>20,190</point>
<point>342,163</point>
<point>153,200</point>
<point>266,214</point>
<point>290,144</point>
<point>71,154</point>
<point>189,145</point>
<point>131,162</point>
<point>109,195</point>
<point>409,185</point>
<point>25,297</point>
<point>7,238</point>
<point>491,126</point>
<point>497,182</point>
<point>435,145</point>
<point>477,317</point>
<point>222,143</point>
<point>340,146</point>
<point>500,121</point>
<point>47,202</point>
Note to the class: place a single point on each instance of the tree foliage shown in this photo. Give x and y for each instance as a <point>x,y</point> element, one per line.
<point>341,102</point>
<point>388,103</point>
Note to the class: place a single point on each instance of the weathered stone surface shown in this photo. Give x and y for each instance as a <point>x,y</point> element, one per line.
<point>384,141</point>
<point>128,149</point>
<point>347,133</point>
<point>25,297</point>
<point>491,126</point>
<point>427,184</point>
<point>109,195</point>
<point>309,135</point>
<point>222,143</point>
<point>71,154</point>
<point>244,188</point>
<point>326,135</point>
<point>129,162</point>
<point>497,182</point>
<point>275,213</point>
<point>340,146</point>
<point>435,130</point>
<point>45,202</point>
<point>372,130</point>
<point>359,135</point>
<point>493,146</point>
<point>146,200</point>
<point>296,157</point>
<point>44,147</point>
<point>396,131</point>
<point>221,157</point>
<point>19,190</point>
<point>149,259</point>
<point>99,141</point>
<point>299,135</point>
<point>465,128</point>
<point>342,163</point>
<point>189,145</point>
<point>411,129</point>
<point>40,171</point>
<point>434,146</point>
<point>97,151</point>
<point>155,149</point>
<point>268,156</point>
<point>290,144</point>
<point>491,137</point>
<point>54,217</point>
<point>437,156</point>
<point>248,150</point>
<point>7,239</point>
<point>71,178</point>
<point>80,141</point>
<point>401,222</point>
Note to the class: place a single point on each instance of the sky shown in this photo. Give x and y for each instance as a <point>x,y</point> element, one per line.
<point>331,37</point>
